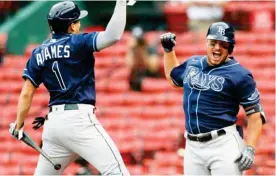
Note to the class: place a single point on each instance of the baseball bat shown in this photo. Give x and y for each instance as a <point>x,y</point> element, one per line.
<point>28,140</point>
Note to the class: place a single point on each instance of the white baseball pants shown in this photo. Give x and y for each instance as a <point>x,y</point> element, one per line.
<point>215,157</point>
<point>72,133</point>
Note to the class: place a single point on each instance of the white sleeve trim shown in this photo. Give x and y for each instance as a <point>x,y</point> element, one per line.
<point>249,102</point>
<point>175,82</point>
<point>94,42</point>
<point>31,79</point>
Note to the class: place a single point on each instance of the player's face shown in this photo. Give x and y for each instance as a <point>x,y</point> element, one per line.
<point>217,52</point>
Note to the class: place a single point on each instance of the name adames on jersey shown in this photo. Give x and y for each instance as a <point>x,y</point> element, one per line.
<point>52,52</point>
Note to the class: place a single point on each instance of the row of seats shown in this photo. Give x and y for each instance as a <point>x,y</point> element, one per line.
<point>254,49</point>
<point>16,64</point>
<point>148,85</point>
<point>127,131</point>
<point>169,105</point>
<point>250,43</point>
<point>115,68</point>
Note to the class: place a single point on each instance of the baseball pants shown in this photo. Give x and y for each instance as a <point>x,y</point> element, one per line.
<point>215,157</point>
<point>69,134</point>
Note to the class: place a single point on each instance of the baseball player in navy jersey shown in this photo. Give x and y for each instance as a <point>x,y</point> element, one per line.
<point>214,87</point>
<point>65,65</point>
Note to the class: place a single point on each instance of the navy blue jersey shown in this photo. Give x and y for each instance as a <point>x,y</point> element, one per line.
<point>212,95</point>
<point>65,65</point>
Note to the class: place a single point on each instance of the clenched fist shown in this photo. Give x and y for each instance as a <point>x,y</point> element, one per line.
<point>168,41</point>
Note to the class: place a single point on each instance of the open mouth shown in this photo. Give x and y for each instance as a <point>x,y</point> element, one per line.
<point>217,55</point>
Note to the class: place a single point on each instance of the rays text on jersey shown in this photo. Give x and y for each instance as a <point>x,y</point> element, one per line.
<point>52,52</point>
<point>201,81</point>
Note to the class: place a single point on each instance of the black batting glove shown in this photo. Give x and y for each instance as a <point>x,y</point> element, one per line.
<point>38,122</point>
<point>247,158</point>
<point>168,41</point>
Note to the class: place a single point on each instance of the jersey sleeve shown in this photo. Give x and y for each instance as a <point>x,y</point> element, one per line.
<point>89,40</point>
<point>177,74</point>
<point>247,91</point>
<point>32,72</point>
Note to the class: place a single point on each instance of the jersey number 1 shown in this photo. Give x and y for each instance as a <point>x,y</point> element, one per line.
<point>58,75</point>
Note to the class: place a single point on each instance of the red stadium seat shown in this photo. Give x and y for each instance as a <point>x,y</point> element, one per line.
<point>155,112</point>
<point>267,149</point>
<point>110,99</point>
<point>10,111</point>
<point>116,50</point>
<point>169,170</point>
<point>250,172</point>
<point>11,86</point>
<point>134,146</point>
<point>71,169</point>
<point>155,85</point>
<point>135,169</point>
<point>121,74</point>
<point>264,74</point>
<point>15,62</point>
<point>11,74</point>
<point>145,99</point>
<point>168,159</point>
<point>5,158</point>
<point>253,62</point>
<point>5,135</point>
<point>111,62</point>
<point>265,86</point>
<point>41,100</point>
<point>265,171</point>
<point>10,170</point>
<point>28,169</point>
<point>120,86</point>
<point>22,159</point>
<point>9,99</point>
<point>8,146</point>
<point>29,49</point>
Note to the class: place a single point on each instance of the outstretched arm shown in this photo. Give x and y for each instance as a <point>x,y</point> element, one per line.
<point>115,27</point>
<point>168,41</point>
<point>170,62</point>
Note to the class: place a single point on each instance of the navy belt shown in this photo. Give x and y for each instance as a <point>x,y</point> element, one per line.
<point>68,107</point>
<point>206,137</point>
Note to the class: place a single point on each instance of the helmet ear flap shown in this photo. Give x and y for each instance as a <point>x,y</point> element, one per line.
<point>230,49</point>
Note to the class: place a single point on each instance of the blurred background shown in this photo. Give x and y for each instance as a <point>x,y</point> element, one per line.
<point>136,105</point>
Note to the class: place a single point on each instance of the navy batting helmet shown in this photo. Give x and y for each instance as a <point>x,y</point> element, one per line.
<point>224,32</point>
<point>63,14</point>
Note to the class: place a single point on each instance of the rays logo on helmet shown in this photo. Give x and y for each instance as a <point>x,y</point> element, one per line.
<point>221,30</point>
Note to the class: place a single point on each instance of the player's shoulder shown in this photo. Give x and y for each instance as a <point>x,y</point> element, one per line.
<point>242,70</point>
<point>38,48</point>
<point>195,59</point>
<point>83,35</point>
<point>82,39</point>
